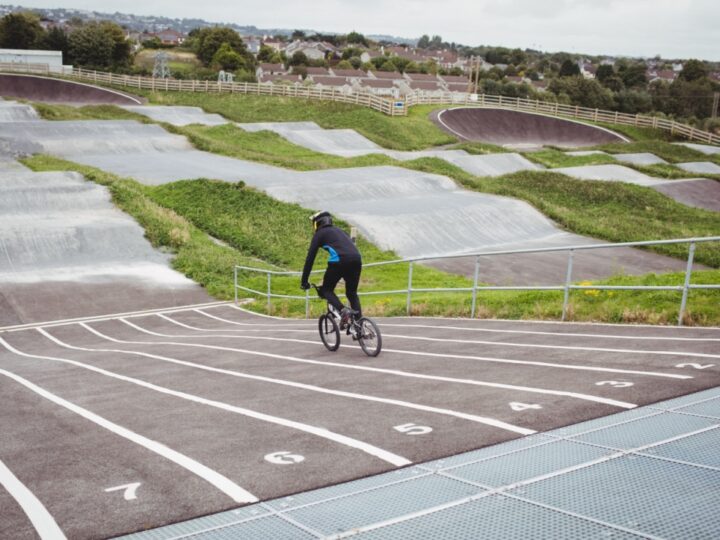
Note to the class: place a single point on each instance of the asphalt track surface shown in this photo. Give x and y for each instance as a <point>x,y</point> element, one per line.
<point>504,127</point>
<point>120,424</point>
<point>51,90</point>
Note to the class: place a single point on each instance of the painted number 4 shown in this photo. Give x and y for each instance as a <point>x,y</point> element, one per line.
<point>413,429</point>
<point>517,406</point>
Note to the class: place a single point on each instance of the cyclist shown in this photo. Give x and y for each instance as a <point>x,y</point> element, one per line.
<point>345,262</point>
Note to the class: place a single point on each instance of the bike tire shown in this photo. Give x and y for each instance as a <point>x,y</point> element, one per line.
<point>369,336</point>
<point>329,332</point>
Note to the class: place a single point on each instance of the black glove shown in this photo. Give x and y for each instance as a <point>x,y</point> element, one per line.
<point>304,285</point>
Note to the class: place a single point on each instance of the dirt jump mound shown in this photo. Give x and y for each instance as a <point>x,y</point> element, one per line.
<point>51,90</point>
<point>513,128</point>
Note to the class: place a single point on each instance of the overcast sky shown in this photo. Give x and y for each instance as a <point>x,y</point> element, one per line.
<point>671,28</point>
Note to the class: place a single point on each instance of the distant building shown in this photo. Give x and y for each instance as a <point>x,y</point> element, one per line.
<point>53,59</point>
<point>170,37</point>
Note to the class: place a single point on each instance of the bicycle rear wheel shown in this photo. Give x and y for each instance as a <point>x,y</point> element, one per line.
<point>369,336</point>
<point>329,332</point>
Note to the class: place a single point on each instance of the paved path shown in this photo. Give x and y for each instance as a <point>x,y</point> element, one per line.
<point>148,419</point>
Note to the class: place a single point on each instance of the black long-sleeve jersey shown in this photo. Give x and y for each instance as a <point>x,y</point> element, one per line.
<point>336,242</point>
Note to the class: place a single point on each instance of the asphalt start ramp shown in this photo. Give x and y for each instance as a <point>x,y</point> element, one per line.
<point>49,90</point>
<point>520,129</point>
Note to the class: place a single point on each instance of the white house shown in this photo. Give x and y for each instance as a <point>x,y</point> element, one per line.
<point>53,59</point>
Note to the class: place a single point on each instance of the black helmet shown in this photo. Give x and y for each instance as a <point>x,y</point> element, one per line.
<point>321,219</point>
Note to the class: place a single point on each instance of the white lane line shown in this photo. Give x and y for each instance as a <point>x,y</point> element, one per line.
<point>270,327</point>
<point>64,322</point>
<point>436,355</point>
<point>561,347</point>
<point>313,430</point>
<point>537,333</point>
<point>471,417</point>
<point>585,397</point>
<point>44,524</point>
<point>227,486</point>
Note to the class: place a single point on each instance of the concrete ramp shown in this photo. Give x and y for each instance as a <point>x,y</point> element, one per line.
<point>66,251</point>
<point>706,149</point>
<point>49,90</point>
<point>700,167</point>
<point>700,193</point>
<point>611,173</point>
<point>642,158</point>
<point>11,111</point>
<point>513,128</point>
<point>177,115</point>
<point>410,212</point>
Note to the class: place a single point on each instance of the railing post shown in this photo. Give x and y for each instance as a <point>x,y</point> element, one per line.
<point>409,292</point>
<point>568,277</point>
<point>475,284</point>
<point>307,304</point>
<point>268,292</point>
<point>235,274</point>
<point>686,286</point>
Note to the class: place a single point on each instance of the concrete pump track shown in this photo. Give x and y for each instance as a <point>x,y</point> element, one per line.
<point>119,423</point>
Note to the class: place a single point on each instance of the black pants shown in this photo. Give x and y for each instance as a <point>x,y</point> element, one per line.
<point>350,272</point>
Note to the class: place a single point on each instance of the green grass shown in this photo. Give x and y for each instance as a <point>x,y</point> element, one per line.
<point>262,232</point>
<point>87,112</point>
<point>413,132</point>
<point>553,158</point>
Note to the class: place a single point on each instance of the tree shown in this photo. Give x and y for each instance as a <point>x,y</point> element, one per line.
<point>435,42</point>
<point>693,70</point>
<point>20,31</point>
<point>583,92</point>
<point>349,52</point>
<point>265,53</point>
<point>209,40</point>
<point>603,72</point>
<point>344,64</point>
<point>299,59</point>
<point>423,42</point>
<point>569,69</point>
<point>357,38</point>
<point>633,75</point>
<point>226,58</point>
<point>100,45</point>
<point>58,40</point>
<point>298,34</point>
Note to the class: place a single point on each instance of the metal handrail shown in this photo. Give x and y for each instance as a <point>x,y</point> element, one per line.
<point>567,287</point>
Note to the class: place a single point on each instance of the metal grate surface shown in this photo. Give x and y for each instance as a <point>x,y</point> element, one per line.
<point>348,488</point>
<point>703,449</point>
<point>201,524</point>
<point>656,497</point>
<point>570,494</point>
<point>646,431</point>
<point>498,518</point>
<point>340,515</point>
<point>528,464</point>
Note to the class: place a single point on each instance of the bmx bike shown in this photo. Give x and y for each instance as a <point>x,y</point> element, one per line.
<point>362,330</point>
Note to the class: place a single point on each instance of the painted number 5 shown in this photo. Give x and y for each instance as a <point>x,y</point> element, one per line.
<point>615,384</point>
<point>413,429</point>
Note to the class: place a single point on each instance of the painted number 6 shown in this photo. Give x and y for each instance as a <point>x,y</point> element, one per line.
<point>413,429</point>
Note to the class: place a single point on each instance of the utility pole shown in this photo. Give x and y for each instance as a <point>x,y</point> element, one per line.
<point>470,74</point>
<point>477,74</point>
<point>716,102</point>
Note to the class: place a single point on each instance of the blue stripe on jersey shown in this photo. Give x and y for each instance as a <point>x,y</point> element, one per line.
<point>334,257</point>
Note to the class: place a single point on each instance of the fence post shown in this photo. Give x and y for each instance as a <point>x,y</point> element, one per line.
<point>268,292</point>
<point>568,277</point>
<point>475,284</point>
<point>235,275</point>
<point>307,304</point>
<point>686,286</point>
<point>409,292</point>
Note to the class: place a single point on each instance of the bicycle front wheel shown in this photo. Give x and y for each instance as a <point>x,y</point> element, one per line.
<point>369,336</point>
<point>329,332</point>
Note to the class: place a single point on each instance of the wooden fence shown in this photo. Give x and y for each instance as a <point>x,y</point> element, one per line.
<point>392,107</point>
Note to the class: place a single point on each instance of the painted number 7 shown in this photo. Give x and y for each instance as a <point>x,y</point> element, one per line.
<point>413,429</point>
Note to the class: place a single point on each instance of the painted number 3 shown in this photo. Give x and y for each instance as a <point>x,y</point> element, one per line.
<point>413,429</point>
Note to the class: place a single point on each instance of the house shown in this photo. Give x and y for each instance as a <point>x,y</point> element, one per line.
<point>540,86</point>
<point>280,78</point>
<point>517,80</point>
<point>454,79</point>
<point>422,77</point>
<point>459,87</point>
<point>366,56</point>
<point>339,83</point>
<point>274,45</point>
<point>347,73</point>
<point>170,37</point>
<point>313,50</point>
<point>317,71</point>
<point>253,44</point>
<point>53,59</point>
<point>666,75</point>
<point>386,75</point>
<point>380,87</point>
<point>588,71</point>
<point>270,69</point>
